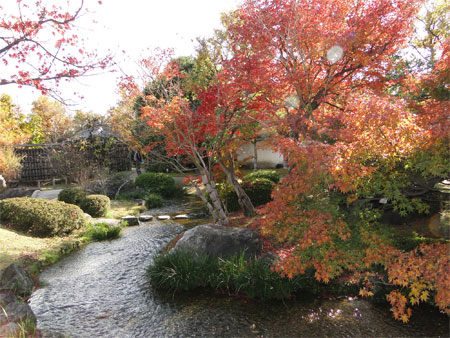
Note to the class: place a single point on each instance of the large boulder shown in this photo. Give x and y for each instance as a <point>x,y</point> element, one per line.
<point>16,192</point>
<point>16,279</point>
<point>220,241</point>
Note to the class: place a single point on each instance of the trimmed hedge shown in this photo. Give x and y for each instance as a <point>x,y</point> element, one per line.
<point>157,183</point>
<point>271,175</point>
<point>259,191</point>
<point>96,205</point>
<point>72,195</point>
<point>41,217</point>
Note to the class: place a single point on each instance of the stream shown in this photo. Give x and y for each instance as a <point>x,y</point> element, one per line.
<point>102,291</point>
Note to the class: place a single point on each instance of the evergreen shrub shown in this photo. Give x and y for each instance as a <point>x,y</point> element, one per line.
<point>41,217</point>
<point>153,201</point>
<point>157,183</point>
<point>72,195</point>
<point>96,205</point>
<point>271,175</point>
<point>259,191</point>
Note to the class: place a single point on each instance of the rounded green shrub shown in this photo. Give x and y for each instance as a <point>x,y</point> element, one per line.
<point>157,183</point>
<point>72,195</point>
<point>157,167</point>
<point>259,191</point>
<point>96,205</point>
<point>41,217</point>
<point>153,201</point>
<point>271,175</point>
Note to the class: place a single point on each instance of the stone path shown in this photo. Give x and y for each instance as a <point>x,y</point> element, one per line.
<point>46,194</point>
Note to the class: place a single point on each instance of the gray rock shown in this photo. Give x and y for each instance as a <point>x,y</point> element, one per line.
<point>10,330</point>
<point>16,192</point>
<point>6,298</point>
<point>15,312</point>
<point>220,241</point>
<point>131,220</point>
<point>145,218</point>
<point>16,279</point>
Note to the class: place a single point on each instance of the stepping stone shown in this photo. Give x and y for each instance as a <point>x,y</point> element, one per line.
<point>145,218</point>
<point>163,217</point>
<point>181,216</point>
<point>131,220</point>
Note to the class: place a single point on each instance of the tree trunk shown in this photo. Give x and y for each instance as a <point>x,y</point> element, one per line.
<point>255,155</point>
<point>244,201</point>
<point>216,207</point>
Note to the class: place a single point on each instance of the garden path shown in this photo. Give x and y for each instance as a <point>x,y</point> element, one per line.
<point>47,194</point>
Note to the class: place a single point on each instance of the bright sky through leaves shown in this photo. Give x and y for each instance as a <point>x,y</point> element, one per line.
<point>133,26</point>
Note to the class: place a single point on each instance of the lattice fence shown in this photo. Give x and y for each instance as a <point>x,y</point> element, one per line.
<point>37,162</point>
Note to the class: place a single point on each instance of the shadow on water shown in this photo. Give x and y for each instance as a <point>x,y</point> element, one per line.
<point>345,317</point>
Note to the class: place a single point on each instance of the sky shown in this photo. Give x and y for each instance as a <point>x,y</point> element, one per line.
<point>134,26</point>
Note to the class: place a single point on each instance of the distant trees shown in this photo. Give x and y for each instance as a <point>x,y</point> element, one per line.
<point>49,121</point>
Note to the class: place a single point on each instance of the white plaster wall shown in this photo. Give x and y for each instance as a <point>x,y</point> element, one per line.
<point>267,158</point>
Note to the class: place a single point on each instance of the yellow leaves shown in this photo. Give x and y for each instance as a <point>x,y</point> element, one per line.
<point>404,317</point>
<point>365,293</point>
<point>424,296</point>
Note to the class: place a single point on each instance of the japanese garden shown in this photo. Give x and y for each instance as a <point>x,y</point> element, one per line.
<point>290,178</point>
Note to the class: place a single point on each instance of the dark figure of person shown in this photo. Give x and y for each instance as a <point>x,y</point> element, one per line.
<point>137,161</point>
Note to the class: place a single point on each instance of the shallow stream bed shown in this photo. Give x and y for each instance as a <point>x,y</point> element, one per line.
<point>102,291</point>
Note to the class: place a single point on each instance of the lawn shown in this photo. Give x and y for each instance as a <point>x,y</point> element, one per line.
<point>16,246</point>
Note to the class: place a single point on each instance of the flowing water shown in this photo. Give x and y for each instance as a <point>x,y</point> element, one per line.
<point>102,291</point>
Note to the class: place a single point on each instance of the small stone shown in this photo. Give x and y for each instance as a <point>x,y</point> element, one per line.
<point>199,215</point>
<point>163,217</point>
<point>181,216</point>
<point>131,220</point>
<point>145,218</point>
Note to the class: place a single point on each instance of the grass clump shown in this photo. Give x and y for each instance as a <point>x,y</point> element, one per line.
<point>102,231</point>
<point>96,205</point>
<point>184,270</point>
<point>41,217</point>
<point>181,271</point>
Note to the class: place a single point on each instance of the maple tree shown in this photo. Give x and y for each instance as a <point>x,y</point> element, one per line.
<point>324,66</point>
<point>39,45</point>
